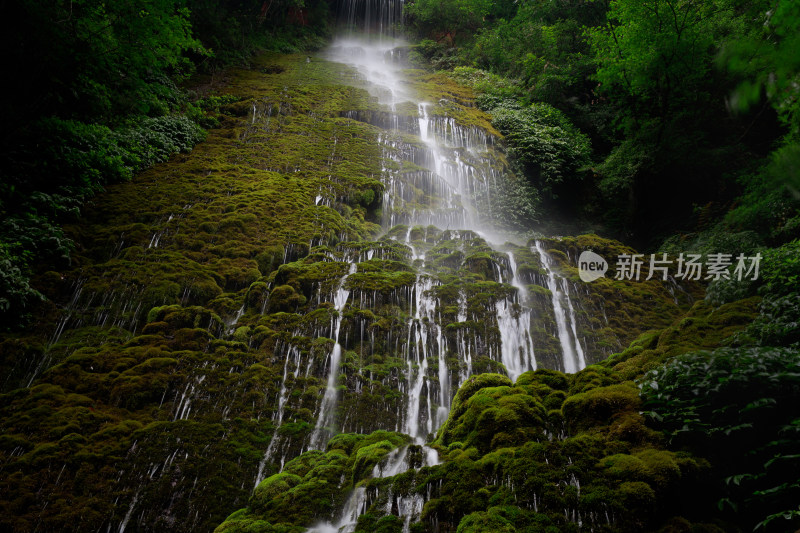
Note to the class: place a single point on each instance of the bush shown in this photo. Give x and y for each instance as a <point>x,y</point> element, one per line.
<point>59,165</point>
<point>543,143</point>
<point>781,269</point>
<point>738,407</point>
<point>778,323</point>
<point>493,90</point>
<point>16,291</point>
<point>153,140</point>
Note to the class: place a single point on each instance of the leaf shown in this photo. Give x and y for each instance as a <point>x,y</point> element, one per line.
<point>787,515</point>
<point>730,430</point>
<point>737,479</point>
<point>761,402</point>
<point>721,504</point>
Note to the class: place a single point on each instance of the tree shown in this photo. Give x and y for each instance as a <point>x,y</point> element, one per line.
<point>658,53</point>
<point>96,59</point>
<point>768,60</point>
<point>452,20</point>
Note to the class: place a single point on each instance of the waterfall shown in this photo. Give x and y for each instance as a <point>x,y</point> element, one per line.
<point>517,346</point>
<point>437,173</point>
<point>379,16</point>
<point>230,324</point>
<point>327,415</point>
<point>355,506</point>
<point>396,462</point>
<point>447,186</point>
<point>454,164</point>
<point>424,309</point>
<point>277,418</point>
<point>455,169</point>
<point>572,353</point>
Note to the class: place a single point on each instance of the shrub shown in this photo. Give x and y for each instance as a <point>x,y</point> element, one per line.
<point>738,407</point>
<point>544,144</point>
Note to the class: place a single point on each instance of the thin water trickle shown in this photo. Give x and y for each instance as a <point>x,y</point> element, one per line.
<point>573,358</point>
<point>327,414</point>
<point>514,324</point>
<point>283,397</point>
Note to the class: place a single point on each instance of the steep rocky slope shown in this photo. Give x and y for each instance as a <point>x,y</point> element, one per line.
<point>239,305</point>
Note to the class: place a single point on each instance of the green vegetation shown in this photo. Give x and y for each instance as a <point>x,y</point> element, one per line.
<point>543,144</point>
<point>96,97</point>
<point>516,455</point>
<point>226,229</point>
<point>691,107</point>
<point>738,408</point>
<point>167,305</point>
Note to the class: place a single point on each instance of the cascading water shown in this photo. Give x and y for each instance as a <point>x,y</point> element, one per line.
<point>418,341</point>
<point>315,325</point>
<point>573,357</point>
<point>278,417</point>
<point>437,174</point>
<point>453,172</point>
<point>514,324</point>
<point>449,181</point>
<point>327,415</point>
<point>354,507</point>
<point>408,507</point>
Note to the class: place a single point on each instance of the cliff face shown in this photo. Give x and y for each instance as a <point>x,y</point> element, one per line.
<point>324,263</point>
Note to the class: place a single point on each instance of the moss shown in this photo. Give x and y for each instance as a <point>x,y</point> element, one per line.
<point>285,298</point>
<point>610,313</point>
<point>485,521</point>
<point>637,495</point>
<point>151,379</point>
<point>368,456</point>
<point>271,488</point>
<point>472,385</point>
<point>599,405</point>
<point>551,378</point>
<point>704,326</point>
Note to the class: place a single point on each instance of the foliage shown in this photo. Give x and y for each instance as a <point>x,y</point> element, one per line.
<point>17,292</point>
<point>521,202</point>
<point>234,31</point>
<point>492,90</point>
<point>766,57</point>
<point>767,205</point>
<point>435,54</point>
<point>776,279</point>
<point>739,408</point>
<point>781,270</point>
<point>656,51</point>
<point>548,149</point>
<point>779,311</point>
<point>44,188</point>
<point>539,44</point>
<point>544,47</point>
<point>453,20</point>
<point>677,120</point>
<point>95,60</point>
<point>778,323</point>
<point>95,100</point>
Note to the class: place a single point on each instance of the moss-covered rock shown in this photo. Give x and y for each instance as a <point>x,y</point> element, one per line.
<point>186,350</point>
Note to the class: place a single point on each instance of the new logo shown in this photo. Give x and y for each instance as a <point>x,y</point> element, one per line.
<point>591,266</point>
